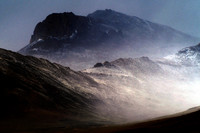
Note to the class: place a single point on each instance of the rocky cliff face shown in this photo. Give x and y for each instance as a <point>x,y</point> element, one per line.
<point>60,25</point>
<point>80,41</point>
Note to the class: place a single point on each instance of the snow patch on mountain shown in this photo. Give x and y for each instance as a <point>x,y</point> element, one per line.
<point>30,46</point>
<point>187,56</point>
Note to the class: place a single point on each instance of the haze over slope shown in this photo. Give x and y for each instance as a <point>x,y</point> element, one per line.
<point>80,41</point>
<point>121,91</point>
<point>39,95</point>
<point>184,122</point>
<point>187,56</point>
<point>154,87</point>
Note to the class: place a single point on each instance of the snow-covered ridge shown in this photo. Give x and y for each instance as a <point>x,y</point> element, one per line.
<point>187,56</point>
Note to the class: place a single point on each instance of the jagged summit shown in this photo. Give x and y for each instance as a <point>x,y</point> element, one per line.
<point>136,65</point>
<point>60,25</point>
<point>105,64</point>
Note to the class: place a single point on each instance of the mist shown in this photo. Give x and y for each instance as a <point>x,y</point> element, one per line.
<point>140,89</point>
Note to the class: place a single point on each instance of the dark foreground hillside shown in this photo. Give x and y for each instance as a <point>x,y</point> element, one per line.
<point>37,95</point>
<point>187,122</point>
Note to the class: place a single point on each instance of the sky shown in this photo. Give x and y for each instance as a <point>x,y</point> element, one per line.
<point>19,17</point>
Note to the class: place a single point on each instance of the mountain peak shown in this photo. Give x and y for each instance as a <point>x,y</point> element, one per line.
<point>59,25</point>
<point>108,11</point>
<point>107,14</point>
<point>60,14</point>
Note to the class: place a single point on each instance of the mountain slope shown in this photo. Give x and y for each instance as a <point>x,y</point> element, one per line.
<point>155,87</point>
<point>185,122</point>
<point>39,95</point>
<point>139,28</point>
<point>36,94</point>
<point>80,41</point>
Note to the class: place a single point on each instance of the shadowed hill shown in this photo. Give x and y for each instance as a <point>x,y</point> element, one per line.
<point>36,93</point>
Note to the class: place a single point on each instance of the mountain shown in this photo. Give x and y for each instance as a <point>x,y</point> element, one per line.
<point>80,41</point>
<point>187,56</point>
